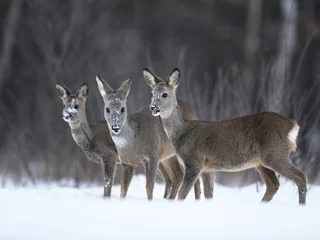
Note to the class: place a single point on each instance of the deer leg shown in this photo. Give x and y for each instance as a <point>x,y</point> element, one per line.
<point>208,183</point>
<point>176,174</point>
<point>190,177</point>
<point>126,177</point>
<point>166,177</point>
<point>270,179</point>
<point>151,170</point>
<point>284,166</point>
<point>197,189</point>
<point>108,166</point>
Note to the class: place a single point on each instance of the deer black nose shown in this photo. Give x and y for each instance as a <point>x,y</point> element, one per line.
<point>67,116</point>
<point>153,107</point>
<point>155,110</point>
<point>115,128</point>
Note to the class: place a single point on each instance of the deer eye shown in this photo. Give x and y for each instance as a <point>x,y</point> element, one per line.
<point>107,110</point>
<point>76,106</point>
<point>165,95</point>
<point>122,109</point>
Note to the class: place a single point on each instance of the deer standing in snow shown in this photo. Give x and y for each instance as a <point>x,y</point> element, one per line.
<point>262,141</point>
<point>141,140</point>
<point>97,144</point>
<point>94,140</point>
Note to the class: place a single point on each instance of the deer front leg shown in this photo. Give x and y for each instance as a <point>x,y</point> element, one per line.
<point>151,169</point>
<point>126,177</point>
<point>191,175</point>
<point>108,167</point>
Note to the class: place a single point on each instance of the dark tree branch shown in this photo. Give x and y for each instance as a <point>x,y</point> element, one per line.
<point>8,37</point>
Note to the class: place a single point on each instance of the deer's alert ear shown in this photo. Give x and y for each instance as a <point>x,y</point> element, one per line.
<point>151,79</point>
<point>125,87</point>
<point>104,87</point>
<point>174,78</point>
<point>83,91</point>
<point>63,91</point>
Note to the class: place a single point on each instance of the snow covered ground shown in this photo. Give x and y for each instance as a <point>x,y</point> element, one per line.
<point>59,213</point>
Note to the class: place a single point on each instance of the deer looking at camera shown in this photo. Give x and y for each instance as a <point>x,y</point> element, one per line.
<point>262,141</point>
<point>94,140</point>
<point>140,140</point>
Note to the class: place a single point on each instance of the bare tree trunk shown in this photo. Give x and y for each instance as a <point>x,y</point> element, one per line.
<point>252,47</point>
<point>282,66</point>
<point>8,37</point>
<point>54,62</point>
<point>288,37</point>
<point>21,146</point>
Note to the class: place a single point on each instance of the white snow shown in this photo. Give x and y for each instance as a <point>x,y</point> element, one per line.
<point>58,213</point>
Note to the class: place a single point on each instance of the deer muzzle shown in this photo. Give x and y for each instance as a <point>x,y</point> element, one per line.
<point>115,128</point>
<point>154,110</point>
<point>66,116</point>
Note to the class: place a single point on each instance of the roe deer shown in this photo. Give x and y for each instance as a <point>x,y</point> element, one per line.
<point>262,140</point>
<point>94,140</point>
<point>140,140</point>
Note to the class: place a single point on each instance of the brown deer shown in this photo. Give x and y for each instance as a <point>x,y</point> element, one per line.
<point>262,141</point>
<point>97,144</point>
<point>140,140</point>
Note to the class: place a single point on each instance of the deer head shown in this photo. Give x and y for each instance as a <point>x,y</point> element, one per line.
<point>163,95</point>
<point>74,104</point>
<point>115,102</point>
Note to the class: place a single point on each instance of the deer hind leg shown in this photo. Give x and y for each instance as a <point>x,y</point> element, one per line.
<point>283,165</point>
<point>176,172</point>
<point>197,189</point>
<point>126,177</point>
<point>151,170</point>
<point>167,178</point>
<point>208,183</point>
<point>271,181</point>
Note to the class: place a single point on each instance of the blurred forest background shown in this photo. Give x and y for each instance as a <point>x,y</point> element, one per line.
<point>236,57</point>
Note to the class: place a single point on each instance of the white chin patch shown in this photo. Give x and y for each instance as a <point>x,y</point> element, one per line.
<point>116,132</point>
<point>120,142</point>
<point>156,114</point>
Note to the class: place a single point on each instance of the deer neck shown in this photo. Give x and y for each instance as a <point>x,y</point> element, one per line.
<point>123,138</point>
<point>81,133</point>
<point>174,122</point>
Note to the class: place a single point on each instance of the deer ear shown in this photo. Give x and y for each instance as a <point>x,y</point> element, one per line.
<point>83,91</point>
<point>63,91</point>
<point>125,87</point>
<point>174,78</point>
<point>103,86</point>
<point>150,78</point>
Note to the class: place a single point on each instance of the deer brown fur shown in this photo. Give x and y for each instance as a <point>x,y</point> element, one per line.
<point>262,141</point>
